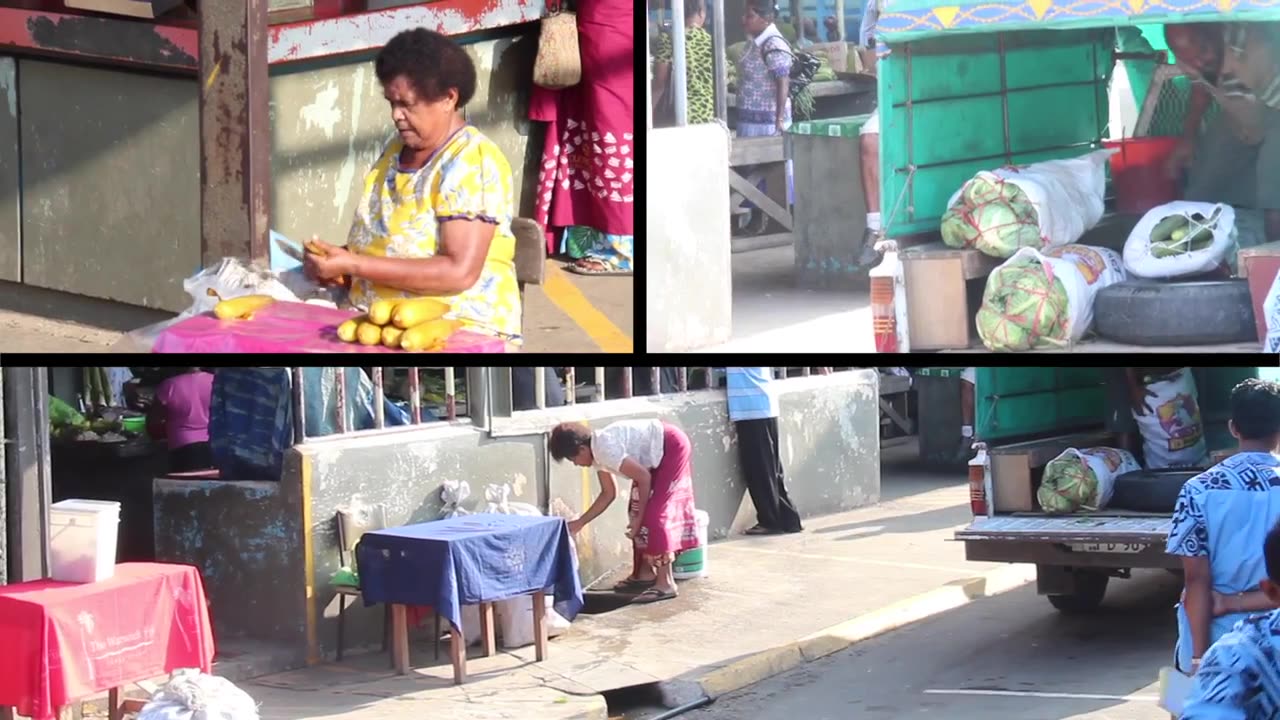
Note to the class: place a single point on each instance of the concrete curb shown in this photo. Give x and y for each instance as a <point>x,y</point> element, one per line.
<point>763,665</point>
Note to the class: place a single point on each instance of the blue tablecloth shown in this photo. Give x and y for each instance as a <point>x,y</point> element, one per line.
<point>467,560</point>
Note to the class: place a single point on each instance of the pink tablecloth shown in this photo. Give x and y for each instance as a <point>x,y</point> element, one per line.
<point>289,327</point>
<point>66,641</point>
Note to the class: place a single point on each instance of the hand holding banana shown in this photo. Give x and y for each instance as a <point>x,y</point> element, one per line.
<point>327,264</point>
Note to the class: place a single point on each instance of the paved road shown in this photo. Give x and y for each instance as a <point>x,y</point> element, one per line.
<point>1011,656</point>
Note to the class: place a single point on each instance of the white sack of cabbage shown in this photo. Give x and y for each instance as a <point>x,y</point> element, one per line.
<point>1042,205</point>
<point>1083,479</point>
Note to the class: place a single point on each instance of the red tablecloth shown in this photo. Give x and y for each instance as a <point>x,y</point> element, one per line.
<point>67,641</point>
<point>290,327</point>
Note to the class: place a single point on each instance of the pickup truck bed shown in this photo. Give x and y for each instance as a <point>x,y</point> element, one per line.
<point>1134,528</point>
<point>1096,542</point>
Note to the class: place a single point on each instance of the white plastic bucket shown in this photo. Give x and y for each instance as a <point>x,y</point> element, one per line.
<point>82,540</point>
<point>692,564</point>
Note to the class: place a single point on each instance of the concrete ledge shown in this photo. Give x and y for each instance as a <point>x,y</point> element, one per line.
<point>757,667</point>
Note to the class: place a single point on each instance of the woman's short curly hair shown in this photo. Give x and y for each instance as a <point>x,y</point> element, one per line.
<point>567,440</point>
<point>431,62</point>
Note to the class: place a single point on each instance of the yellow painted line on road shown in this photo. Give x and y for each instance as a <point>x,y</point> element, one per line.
<point>566,296</point>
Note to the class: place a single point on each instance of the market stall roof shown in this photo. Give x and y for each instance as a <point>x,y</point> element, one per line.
<point>903,20</point>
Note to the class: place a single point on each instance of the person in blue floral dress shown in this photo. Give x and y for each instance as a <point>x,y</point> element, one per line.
<point>1221,519</point>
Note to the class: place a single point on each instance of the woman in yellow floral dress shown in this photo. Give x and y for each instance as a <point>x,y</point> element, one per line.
<point>434,219</point>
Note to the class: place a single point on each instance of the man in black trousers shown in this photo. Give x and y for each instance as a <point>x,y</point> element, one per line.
<point>753,408</point>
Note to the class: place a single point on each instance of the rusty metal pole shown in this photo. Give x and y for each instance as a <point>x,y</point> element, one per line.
<point>450,394</point>
<point>415,396</point>
<point>379,400</point>
<point>235,131</point>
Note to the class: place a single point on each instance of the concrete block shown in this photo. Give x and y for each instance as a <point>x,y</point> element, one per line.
<point>688,284</point>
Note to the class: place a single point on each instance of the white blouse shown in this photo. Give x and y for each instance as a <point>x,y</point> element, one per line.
<point>640,440</point>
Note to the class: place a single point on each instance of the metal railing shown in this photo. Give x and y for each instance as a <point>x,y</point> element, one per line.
<point>488,392</point>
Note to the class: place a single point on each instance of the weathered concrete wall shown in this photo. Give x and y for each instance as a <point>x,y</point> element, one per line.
<point>247,540</point>
<point>10,179</point>
<point>110,182</point>
<point>830,449</point>
<point>689,288</point>
<point>84,129</point>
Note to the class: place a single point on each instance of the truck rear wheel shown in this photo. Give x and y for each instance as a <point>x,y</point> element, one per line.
<point>1090,587</point>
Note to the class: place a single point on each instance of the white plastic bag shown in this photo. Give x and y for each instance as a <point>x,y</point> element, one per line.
<point>515,620</point>
<point>230,278</point>
<point>1139,260</point>
<point>1271,311</point>
<point>1084,270</point>
<point>1106,464</point>
<point>498,497</point>
<point>1069,195</point>
<point>452,493</point>
<point>1173,432</point>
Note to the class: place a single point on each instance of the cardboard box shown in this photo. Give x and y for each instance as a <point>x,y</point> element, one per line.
<point>1259,265</point>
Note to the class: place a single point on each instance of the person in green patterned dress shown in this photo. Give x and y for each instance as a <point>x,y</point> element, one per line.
<point>699,66</point>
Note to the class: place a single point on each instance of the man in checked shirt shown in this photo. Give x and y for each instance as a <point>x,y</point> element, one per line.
<point>1236,65</point>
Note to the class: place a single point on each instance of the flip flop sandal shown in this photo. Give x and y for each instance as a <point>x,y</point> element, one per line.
<point>578,269</point>
<point>652,595</point>
<point>631,585</point>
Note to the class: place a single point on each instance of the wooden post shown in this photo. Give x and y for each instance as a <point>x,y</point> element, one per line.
<point>540,624</point>
<point>113,704</point>
<point>487,631</point>
<point>458,655</point>
<point>400,638</point>
<point>235,130</point>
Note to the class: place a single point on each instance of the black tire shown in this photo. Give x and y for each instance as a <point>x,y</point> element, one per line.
<point>1153,491</point>
<point>1090,589</point>
<point>1146,312</point>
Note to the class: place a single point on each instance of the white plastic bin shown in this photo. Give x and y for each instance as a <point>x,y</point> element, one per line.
<point>82,540</point>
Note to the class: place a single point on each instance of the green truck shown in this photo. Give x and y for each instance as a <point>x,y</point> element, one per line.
<point>1028,416</point>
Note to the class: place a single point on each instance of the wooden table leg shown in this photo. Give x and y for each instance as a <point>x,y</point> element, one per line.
<point>540,624</point>
<point>113,704</point>
<point>6,713</point>
<point>400,638</point>
<point>488,633</point>
<point>458,655</point>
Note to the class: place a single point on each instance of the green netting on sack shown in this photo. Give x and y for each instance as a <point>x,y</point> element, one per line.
<point>992,216</point>
<point>1023,308</point>
<point>1069,485</point>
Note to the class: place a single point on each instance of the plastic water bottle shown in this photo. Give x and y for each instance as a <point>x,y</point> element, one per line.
<point>978,469</point>
<point>889,301</point>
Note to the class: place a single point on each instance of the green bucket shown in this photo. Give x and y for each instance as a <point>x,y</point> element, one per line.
<point>692,563</point>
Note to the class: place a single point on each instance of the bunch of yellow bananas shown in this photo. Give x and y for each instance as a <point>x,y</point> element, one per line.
<point>416,325</point>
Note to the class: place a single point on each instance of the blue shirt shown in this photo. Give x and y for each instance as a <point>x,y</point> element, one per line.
<point>749,394</point>
<point>1224,514</point>
<point>1239,678</point>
